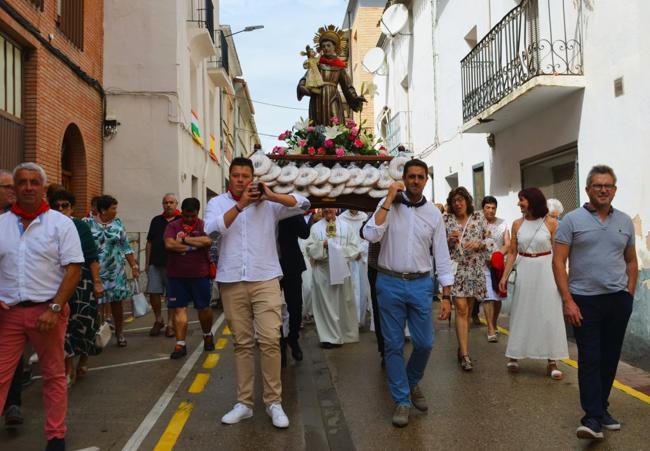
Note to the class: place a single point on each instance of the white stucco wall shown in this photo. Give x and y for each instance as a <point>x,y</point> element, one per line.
<point>148,81</point>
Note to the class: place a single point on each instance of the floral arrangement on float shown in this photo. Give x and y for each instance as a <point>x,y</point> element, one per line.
<point>337,139</point>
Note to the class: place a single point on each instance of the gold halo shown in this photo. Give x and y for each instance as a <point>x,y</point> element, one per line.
<point>334,34</point>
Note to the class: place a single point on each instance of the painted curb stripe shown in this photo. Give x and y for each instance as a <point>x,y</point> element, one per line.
<point>211,361</point>
<point>617,384</point>
<point>221,343</point>
<point>199,383</point>
<point>174,428</point>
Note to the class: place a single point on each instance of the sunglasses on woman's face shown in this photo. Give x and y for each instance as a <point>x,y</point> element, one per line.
<point>62,205</point>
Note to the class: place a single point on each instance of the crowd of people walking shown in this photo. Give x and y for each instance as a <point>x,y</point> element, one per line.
<point>62,279</point>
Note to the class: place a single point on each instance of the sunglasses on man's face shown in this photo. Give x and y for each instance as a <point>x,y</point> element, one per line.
<point>62,205</point>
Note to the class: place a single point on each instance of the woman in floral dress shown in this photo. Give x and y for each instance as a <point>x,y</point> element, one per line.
<point>466,234</point>
<point>113,245</point>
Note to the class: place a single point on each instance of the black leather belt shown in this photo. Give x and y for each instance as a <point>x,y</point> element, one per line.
<point>404,275</point>
<point>32,303</point>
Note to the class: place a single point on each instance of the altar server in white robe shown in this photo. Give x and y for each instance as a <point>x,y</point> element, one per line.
<point>332,244</point>
<point>359,266</point>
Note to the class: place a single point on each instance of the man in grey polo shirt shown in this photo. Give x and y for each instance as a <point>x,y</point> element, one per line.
<point>598,241</point>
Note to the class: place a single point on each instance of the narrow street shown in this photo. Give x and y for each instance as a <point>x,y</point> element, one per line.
<point>136,398</point>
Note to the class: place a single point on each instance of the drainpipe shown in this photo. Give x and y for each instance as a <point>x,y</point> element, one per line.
<point>434,28</point>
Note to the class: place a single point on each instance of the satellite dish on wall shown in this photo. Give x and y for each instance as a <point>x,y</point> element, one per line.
<point>394,19</point>
<point>373,60</point>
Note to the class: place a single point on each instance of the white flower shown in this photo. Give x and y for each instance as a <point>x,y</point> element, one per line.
<point>371,90</point>
<point>332,132</point>
<point>301,124</point>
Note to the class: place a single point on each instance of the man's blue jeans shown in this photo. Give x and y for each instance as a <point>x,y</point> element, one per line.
<point>401,301</point>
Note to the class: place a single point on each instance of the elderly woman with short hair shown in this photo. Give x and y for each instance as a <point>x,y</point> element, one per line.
<point>110,237</point>
<point>555,208</point>
<point>83,321</point>
<point>466,234</point>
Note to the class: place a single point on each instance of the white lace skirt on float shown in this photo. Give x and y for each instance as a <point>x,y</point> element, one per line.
<point>537,328</point>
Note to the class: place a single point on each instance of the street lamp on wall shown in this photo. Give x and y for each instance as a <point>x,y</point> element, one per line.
<point>110,127</point>
<point>246,29</point>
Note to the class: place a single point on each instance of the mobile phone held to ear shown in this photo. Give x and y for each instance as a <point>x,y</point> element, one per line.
<point>260,188</point>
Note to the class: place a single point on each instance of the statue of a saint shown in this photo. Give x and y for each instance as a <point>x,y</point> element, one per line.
<point>327,103</point>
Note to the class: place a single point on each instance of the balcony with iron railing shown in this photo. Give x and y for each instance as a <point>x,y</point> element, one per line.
<point>219,65</point>
<point>536,50</point>
<point>201,32</point>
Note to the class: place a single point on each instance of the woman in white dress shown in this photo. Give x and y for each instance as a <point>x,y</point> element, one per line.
<point>498,241</point>
<point>536,321</point>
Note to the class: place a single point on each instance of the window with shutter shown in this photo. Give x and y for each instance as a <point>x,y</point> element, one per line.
<point>71,20</point>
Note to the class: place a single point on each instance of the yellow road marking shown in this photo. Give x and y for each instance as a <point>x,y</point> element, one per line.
<point>174,428</point>
<point>618,385</point>
<point>226,330</point>
<point>221,343</point>
<point>211,361</point>
<point>199,383</point>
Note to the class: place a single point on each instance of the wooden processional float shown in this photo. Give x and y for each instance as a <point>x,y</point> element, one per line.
<point>329,158</point>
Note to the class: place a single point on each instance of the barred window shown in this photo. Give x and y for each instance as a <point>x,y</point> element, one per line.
<point>11,78</point>
<point>70,17</point>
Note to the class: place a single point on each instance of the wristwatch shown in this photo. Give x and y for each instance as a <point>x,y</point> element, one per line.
<point>56,308</point>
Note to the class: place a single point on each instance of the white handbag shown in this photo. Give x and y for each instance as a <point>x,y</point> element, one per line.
<point>104,335</point>
<point>140,303</point>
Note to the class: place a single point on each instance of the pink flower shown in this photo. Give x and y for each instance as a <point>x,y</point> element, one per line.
<point>335,120</point>
<point>358,143</point>
<point>311,129</point>
<point>340,151</point>
<point>349,123</point>
<point>311,151</point>
<point>279,150</point>
<point>302,142</point>
<point>329,143</point>
<point>354,131</point>
<point>321,151</point>
<point>284,135</point>
<point>382,151</point>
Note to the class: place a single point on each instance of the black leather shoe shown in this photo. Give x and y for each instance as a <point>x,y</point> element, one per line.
<point>296,352</point>
<point>55,444</point>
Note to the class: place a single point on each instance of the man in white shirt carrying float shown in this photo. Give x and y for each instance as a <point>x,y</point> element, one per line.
<point>408,227</point>
<point>247,217</point>
<point>40,266</point>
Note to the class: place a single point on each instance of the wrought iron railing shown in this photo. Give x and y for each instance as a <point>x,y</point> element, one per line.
<point>202,13</point>
<point>221,60</point>
<point>537,37</point>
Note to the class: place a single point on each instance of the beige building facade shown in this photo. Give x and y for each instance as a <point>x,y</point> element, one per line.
<point>362,19</point>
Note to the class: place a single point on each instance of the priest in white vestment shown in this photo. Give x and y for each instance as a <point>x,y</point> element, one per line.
<point>332,244</point>
<point>359,266</point>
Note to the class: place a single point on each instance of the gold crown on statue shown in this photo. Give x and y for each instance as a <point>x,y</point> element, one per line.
<point>334,34</point>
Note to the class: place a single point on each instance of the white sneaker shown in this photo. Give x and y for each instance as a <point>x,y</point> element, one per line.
<point>238,413</point>
<point>278,417</point>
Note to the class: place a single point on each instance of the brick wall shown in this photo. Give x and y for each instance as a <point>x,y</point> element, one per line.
<point>54,97</point>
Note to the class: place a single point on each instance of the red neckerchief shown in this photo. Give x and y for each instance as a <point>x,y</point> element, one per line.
<point>333,62</point>
<point>176,214</point>
<point>15,209</point>
<point>234,196</point>
<point>188,229</point>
